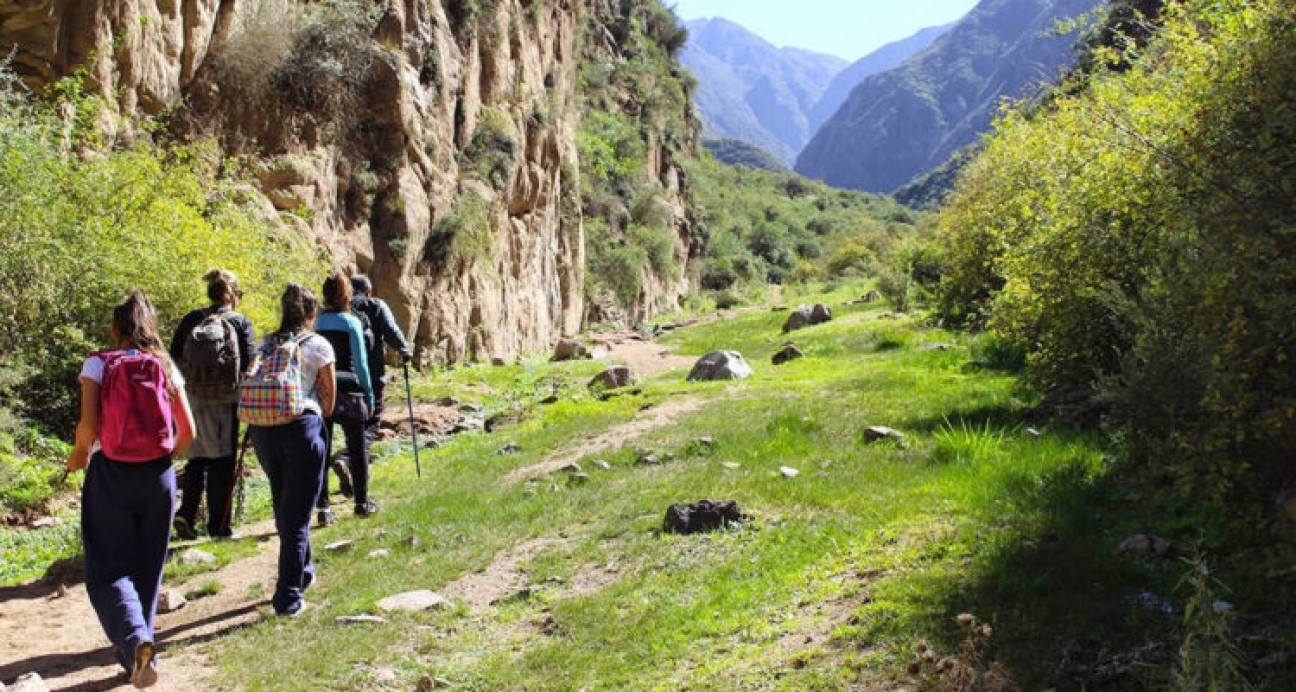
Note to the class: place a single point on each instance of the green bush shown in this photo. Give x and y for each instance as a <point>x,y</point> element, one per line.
<point>897,288</point>
<point>492,153</point>
<point>79,232</point>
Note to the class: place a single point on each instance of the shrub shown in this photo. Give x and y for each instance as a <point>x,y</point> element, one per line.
<point>896,287</point>
<point>461,236</point>
<point>658,245</point>
<point>492,153</point>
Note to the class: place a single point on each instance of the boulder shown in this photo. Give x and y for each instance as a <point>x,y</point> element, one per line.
<point>820,314</point>
<point>720,365</point>
<point>570,349</point>
<point>614,377</point>
<point>797,319</point>
<point>701,516</point>
<point>788,353</point>
<point>29,682</point>
<point>414,602</point>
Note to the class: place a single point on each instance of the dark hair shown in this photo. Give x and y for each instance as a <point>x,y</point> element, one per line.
<point>135,322</point>
<point>298,305</point>
<point>222,286</point>
<point>360,284</point>
<point>337,293</point>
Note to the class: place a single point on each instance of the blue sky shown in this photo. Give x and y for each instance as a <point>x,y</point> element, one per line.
<point>846,28</point>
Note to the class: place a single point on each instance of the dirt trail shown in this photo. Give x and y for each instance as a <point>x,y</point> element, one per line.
<point>58,636</point>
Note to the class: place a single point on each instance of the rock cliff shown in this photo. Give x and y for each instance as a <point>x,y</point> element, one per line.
<point>430,144</point>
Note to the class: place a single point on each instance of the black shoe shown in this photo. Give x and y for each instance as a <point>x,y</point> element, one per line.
<point>184,530</point>
<point>344,477</point>
<point>365,509</point>
<point>324,518</point>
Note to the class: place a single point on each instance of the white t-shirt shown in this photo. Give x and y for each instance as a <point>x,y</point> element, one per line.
<point>316,352</point>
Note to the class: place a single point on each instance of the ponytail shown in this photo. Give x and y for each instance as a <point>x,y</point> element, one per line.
<point>222,286</point>
<point>299,306</point>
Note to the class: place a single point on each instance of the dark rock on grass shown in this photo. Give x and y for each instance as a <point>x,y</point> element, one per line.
<point>1144,544</point>
<point>615,377</point>
<point>701,516</point>
<point>719,366</point>
<point>877,433</point>
<point>820,314</point>
<point>498,362</point>
<point>506,419</point>
<point>570,349</point>
<point>510,448</point>
<point>797,319</point>
<point>788,353</point>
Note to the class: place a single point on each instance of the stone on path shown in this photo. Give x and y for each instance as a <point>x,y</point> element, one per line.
<point>615,377</point>
<point>1144,544</point>
<point>194,556</point>
<point>29,682</point>
<point>339,546</point>
<point>414,602</point>
<point>720,365</point>
<point>788,353</point>
<point>362,619</point>
<point>603,465</point>
<point>570,349</point>
<point>876,433</point>
<point>381,552</point>
<point>170,600</point>
<point>788,472</point>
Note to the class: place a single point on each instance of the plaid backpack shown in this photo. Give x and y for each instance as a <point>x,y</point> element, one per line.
<point>272,392</point>
<point>136,423</point>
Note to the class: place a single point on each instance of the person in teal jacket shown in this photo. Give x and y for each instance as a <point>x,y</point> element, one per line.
<point>355,394</point>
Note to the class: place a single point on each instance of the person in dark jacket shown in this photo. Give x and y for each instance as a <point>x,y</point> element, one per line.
<point>215,407</point>
<point>385,332</point>
<point>351,370</point>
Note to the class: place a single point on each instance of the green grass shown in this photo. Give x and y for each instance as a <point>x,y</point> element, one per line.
<point>872,548</point>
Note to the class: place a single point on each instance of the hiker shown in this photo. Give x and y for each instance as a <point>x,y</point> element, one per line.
<point>355,395</point>
<point>285,395</point>
<point>384,331</point>
<point>134,419</point>
<point>213,347</point>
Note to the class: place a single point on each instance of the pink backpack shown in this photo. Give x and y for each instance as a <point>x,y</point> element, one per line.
<point>135,420</point>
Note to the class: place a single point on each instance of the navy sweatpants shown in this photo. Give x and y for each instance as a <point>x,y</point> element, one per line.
<point>126,511</point>
<point>357,458</point>
<point>293,457</point>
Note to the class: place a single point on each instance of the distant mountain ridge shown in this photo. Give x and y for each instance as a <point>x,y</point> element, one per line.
<point>880,60</point>
<point>752,90</point>
<point>900,123</point>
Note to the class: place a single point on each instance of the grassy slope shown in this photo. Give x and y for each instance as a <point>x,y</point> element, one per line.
<point>843,569</point>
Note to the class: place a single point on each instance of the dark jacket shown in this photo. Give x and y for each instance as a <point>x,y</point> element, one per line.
<point>385,331</point>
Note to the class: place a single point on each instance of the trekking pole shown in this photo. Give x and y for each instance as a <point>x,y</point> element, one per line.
<point>409,401</point>
<point>237,490</point>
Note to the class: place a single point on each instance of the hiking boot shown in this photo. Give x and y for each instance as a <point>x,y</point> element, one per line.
<point>184,529</point>
<point>365,509</point>
<point>293,610</point>
<point>344,476</point>
<point>144,668</point>
<point>325,517</point>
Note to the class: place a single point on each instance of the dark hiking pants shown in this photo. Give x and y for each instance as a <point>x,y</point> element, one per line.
<point>126,511</point>
<point>293,457</point>
<point>357,458</point>
<point>218,476</point>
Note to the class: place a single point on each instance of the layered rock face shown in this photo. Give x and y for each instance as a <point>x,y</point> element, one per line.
<point>429,144</point>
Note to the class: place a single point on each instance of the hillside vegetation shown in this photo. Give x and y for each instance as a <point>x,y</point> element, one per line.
<point>1135,236</point>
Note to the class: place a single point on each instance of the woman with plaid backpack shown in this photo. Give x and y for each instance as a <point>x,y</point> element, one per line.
<point>134,419</point>
<point>284,397</point>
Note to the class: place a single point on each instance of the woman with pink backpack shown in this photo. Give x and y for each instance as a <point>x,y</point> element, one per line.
<point>134,419</point>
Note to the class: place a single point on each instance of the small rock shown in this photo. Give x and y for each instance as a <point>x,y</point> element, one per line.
<point>1034,433</point>
<point>412,542</point>
<point>43,523</point>
<point>720,365</point>
<point>731,465</point>
<point>194,556</point>
<point>427,682</point>
<point>381,674</point>
<point>706,442</point>
<point>870,297</point>
<point>381,552</point>
<point>935,346</point>
<point>603,465</point>
<point>875,433</point>
<point>498,362</point>
<point>704,515</point>
<point>570,349</point>
<point>579,478</point>
<point>786,354</point>
<point>468,424</point>
<point>414,602</point>
<point>1144,544</point>
<point>551,399</point>
<point>649,459</point>
<point>362,619</point>
<point>29,682</point>
<point>471,409</point>
<point>571,467</point>
<point>448,402</point>
<point>510,448</point>
<point>170,600</point>
<point>788,472</point>
<point>820,314</point>
<point>615,377</point>
<point>339,546</point>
